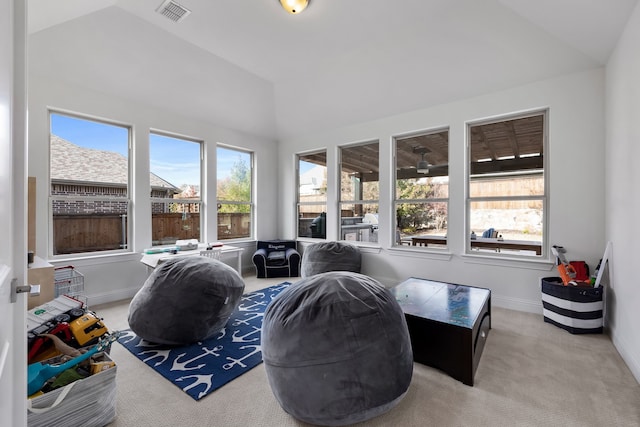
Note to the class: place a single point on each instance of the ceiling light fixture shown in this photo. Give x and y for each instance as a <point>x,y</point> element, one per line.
<point>423,166</point>
<point>294,6</point>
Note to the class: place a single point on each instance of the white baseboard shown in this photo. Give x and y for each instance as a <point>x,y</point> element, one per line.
<point>128,293</point>
<point>517,304</point>
<point>107,297</point>
<point>627,356</point>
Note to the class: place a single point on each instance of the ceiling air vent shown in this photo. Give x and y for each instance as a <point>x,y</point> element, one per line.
<point>173,11</point>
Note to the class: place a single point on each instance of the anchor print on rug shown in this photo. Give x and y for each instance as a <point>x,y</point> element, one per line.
<point>202,367</point>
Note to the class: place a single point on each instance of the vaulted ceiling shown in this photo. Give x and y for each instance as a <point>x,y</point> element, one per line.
<point>337,63</point>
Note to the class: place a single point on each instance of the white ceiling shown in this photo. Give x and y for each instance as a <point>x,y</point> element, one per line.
<point>345,61</point>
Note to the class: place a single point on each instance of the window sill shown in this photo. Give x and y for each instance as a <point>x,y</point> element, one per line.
<point>415,252</point>
<point>239,241</point>
<point>310,239</point>
<point>367,248</point>
<point>532,264</point>
<point>78,260</point>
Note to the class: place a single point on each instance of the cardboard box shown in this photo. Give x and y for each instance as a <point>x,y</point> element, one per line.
<point>578,310</point>
<point>90,402</point>
<point>40,272</point>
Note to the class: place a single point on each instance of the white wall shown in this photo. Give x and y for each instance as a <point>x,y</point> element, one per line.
<point>116,277</point>
<point>622,197</point>
<point>115,52</point>
<point>112,65</point>
<point>576,213</point>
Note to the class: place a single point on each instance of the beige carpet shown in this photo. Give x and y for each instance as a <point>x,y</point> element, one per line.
<point>531,374</point>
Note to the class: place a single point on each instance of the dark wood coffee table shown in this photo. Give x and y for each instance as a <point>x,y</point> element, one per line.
<point>448,324</point>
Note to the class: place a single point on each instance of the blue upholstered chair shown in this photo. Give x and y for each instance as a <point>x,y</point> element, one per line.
<point>276,258</point>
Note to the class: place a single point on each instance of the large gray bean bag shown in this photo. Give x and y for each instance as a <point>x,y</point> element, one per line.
<point>185,300</point>
<point>336,349</point>
<point>330,256</point>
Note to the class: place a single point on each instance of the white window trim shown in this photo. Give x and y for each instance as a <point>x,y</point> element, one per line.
<point>438,253</point>
<point>251,203</point>
<point>355,202</point>
<point>128,199</point>
<point>200,201</point>
<point>299,203</point>
<point>541,261</point>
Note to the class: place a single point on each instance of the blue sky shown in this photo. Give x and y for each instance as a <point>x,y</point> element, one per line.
<point>90,134</point>
<point>174,160</point>
<point>306,166</point>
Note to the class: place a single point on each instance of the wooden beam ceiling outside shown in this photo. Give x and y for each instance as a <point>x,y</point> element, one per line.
<point>503,146</point>
<point>516,138</point>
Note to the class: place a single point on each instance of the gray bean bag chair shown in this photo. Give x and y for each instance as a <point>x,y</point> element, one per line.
<point>330,256</point>
<point>336,349</point>
<point>185,300</point>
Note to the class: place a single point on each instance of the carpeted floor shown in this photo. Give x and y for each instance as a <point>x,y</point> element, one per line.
<point>531,374</point>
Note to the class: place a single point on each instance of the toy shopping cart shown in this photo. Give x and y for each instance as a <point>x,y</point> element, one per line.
<point>70,282</point>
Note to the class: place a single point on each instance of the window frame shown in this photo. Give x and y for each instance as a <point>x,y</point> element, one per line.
<point>360,201</point>
<point>544,198</point>
<point>165,200</point>
<point>51,198</point>
<point>299,203</point>
<point>250,203</point>
<point>396,242</point>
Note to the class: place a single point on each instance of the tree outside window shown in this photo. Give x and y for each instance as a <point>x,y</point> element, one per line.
<point>422,189</point>
<point>235,207</point>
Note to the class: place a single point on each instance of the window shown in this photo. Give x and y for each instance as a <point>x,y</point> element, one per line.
<point>89,178</point>
<point>506,186</point>
<point>175,165</point>
<point>359,192</point>
<point>312,195</point>
<point>235,206</point>
<point>422,189</point>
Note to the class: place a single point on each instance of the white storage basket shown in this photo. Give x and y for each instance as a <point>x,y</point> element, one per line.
<point>90,402</point>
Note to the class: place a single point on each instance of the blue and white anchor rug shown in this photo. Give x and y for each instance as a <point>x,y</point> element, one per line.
<point>202,367</point>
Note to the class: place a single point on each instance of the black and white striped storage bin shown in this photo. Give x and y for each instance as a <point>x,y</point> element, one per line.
<point>575,309</point>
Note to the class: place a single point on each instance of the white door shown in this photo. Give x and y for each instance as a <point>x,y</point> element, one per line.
<point>13,359</point>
